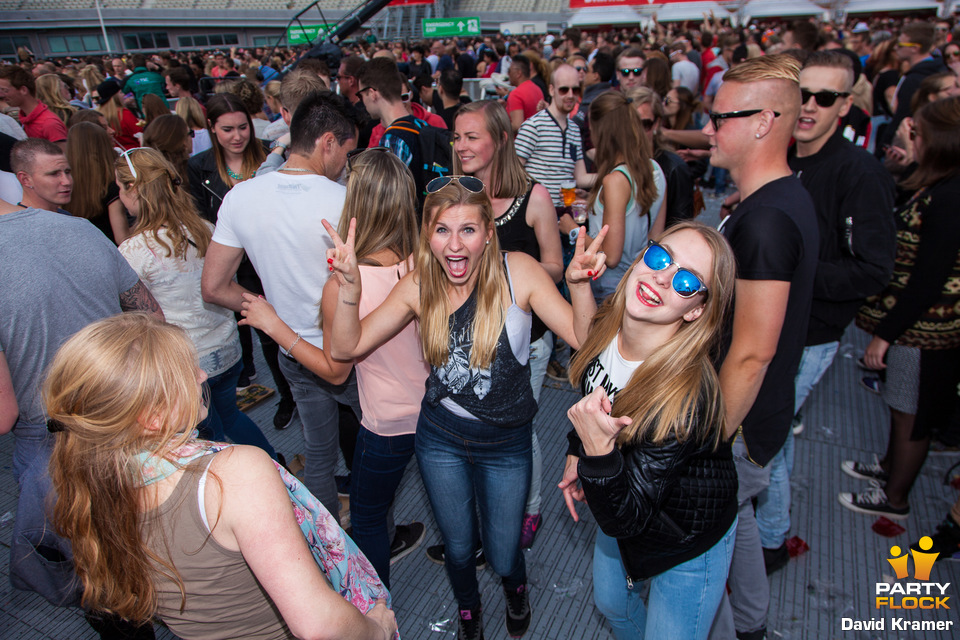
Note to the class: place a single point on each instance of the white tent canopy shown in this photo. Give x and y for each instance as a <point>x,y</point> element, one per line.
<point>677,11</point>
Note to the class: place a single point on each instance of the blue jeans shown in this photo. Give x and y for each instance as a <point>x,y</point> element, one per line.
<point>773,504</point>
<point>225,420</point>
<point>378,466</point>
<point>466,464</point>
<point>317,403</point>
<point>682,602</point>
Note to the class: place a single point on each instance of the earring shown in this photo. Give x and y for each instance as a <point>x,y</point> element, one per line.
<point>488,242</point>
<point>757,136</point>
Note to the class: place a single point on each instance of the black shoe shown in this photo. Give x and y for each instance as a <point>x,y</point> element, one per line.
<point>776,559</point>
<point>759,634</point>
<point>470,624</point>
<point>283,418</point>
<point>247,376</point>
<point>436,554</point>
<point>407,538</point>
<point>518,610</point>
<point>946,541</point>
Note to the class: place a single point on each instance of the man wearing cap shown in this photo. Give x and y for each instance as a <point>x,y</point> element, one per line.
<point>18,88</point>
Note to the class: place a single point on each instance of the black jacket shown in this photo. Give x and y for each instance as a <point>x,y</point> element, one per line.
<point>665,504</point>
<point>679,186</point>
<point>207,187</point>
<point>854,196</point>
<point>908,86</point>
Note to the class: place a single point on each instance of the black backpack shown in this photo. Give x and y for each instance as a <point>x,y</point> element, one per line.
<point>436,149</point>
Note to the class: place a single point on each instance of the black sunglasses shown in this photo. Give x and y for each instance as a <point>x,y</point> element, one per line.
<point>565,90</point>
<point>635,72</point>
<point>824,98</point>
<point>471,184</point>
<point>717,118</point>
<point>647,123</point>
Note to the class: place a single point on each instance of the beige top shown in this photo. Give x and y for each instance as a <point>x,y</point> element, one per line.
<point>224,599</point>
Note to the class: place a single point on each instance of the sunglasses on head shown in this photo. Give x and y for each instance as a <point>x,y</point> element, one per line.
<point>353,154</point>
<point>634,72</point>
<point>717,118</point>
<point>685,283</point>
<point>823,98</point>
<point>471,184</point>
<point>565,90</point>
<point>125,154</point>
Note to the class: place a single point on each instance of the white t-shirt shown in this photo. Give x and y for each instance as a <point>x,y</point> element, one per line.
<point>175,283</point>
<point>610,370</point>
<point>276,219</point>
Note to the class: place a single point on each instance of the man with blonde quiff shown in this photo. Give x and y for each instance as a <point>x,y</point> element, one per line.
<point>774,236</point>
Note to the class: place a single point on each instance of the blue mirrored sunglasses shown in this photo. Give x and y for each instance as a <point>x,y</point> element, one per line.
<point>684,282</point>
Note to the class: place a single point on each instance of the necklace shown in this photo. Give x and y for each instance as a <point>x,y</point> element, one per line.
<point>297,169</point>
<point>237,177</point>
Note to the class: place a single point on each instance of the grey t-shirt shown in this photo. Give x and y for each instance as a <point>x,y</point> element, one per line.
<point>57,275</point>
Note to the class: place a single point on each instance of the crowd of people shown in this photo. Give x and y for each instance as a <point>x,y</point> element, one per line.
<point>414,265</point>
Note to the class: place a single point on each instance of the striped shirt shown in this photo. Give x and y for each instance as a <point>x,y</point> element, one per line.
<point>549,151</point>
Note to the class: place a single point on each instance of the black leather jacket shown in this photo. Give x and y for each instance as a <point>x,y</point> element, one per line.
<point>665,504</point>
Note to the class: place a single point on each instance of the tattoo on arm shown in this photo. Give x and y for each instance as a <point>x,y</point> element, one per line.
<point>139,298</point>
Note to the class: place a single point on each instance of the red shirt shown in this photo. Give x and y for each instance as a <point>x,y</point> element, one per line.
<point>43,123</point>
<point>525,97</point>
<point>128,127</point>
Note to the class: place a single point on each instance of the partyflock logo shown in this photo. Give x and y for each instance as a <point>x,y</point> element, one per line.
<point>902,594</point>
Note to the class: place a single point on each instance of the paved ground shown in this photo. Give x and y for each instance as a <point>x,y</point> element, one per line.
<point>835,579</point>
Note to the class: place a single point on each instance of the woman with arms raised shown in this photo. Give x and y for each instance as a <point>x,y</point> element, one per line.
<point>648,446</point>
<point>473,436</point>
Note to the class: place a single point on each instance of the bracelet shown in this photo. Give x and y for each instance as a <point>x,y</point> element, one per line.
<point>295,342</point>
<point>573,235</point>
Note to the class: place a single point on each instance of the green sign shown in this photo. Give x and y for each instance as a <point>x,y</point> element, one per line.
<point>305,34</point>
<point>443,27</point>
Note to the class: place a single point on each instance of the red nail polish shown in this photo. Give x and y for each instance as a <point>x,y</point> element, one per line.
<point>331,268</point>
<point>329,260</point>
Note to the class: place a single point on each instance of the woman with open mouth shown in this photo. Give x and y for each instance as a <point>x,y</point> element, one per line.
<point>473,441</point>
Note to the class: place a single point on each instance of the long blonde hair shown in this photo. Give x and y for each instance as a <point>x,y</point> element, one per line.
<point>189,109</point>
<point>91,155</point>
<point>677,386</point>
<point>48,92</point>
<point>164,202</point>
<point>434,301</point>
<point>619,138</point>
<point>507,176</point>
<point>382,197</point>
<point>104,387</point>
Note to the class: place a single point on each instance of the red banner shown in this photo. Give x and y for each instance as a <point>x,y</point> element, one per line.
<point>403,3</point>
<point>585,4</point>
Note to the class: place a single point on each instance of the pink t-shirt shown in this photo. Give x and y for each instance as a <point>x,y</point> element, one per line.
<point>525,97</point>
<point>43,123</point>
<point>391,379</point>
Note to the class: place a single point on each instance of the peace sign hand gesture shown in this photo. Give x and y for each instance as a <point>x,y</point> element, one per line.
<point>590,263</point>
<point>343,258</point>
